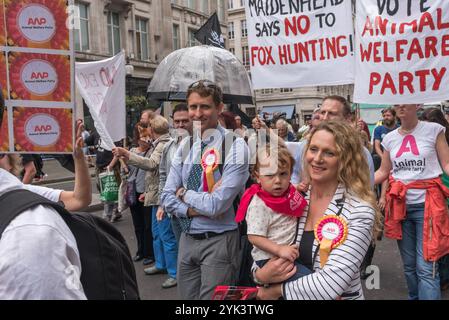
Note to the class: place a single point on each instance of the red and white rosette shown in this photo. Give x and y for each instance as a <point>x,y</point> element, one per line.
<point>209,162</point>
<point>331,231</point>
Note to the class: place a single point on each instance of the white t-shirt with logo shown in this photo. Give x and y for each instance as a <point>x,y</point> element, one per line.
<point>414,156</point>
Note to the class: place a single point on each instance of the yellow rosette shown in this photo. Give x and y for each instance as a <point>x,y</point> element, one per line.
<point>331,231</point>
<point>209,162</point>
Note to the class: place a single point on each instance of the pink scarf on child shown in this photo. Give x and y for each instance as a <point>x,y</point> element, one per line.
<point>291,203</point>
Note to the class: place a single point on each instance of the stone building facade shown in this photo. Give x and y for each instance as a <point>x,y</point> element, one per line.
<point>148,30</point>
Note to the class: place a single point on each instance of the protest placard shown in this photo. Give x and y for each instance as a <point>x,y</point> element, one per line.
<point>296,43</point>
<point>3,77</point>
<point>4,136</point>
<point>42,129</point>
<point>36,76</point>
<point>403,51</point>
<point>37,24</point>
<point>2,25</point>
<point>102,86</point>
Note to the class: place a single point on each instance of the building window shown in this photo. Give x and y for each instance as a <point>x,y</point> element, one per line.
<point>191,40</point>
<point>205,6</point>
<point>231,30</point>
<point>267,91</point>
<point>114,33</point>
<point>142,39</point>
<point>245,52</point>
<point>221,10</point>
<point>242,3</point>
<point>232,50</point>
<point>230,4</point>
<point>81,35</point>
<point>286,90</point>
<point>176,40</point>
<point>244,29</point>
<point>191,4</point>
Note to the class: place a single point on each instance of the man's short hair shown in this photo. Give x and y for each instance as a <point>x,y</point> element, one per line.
<point>206,88</point>
<point>179,107</point>
<point>343,101</point>
<point>159,125</point>
<point>390,110</point>
<point>282,122</point>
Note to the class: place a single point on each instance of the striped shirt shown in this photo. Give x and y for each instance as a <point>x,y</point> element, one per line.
<point>340,276</point>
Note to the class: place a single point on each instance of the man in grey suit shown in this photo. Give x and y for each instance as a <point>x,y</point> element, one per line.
<point>209,244</point>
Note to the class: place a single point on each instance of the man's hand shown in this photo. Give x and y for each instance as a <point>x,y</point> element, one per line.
<point>303,186</point>
<point>79,141</point>
<point>216,186</point>
<point>381,203</point>
<point>179,191</point>
<point>192,213</point>
<point>260,124</point>
<point>160,214</point>
<point>142,198</point>
<point>121,153</point>
<point>289,252</point>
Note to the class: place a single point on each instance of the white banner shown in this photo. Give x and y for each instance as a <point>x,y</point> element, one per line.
<point>300,43</point>
<point>102,85</point>
<point>402,53</point>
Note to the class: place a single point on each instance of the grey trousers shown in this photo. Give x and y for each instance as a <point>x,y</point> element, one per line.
<point>205,264</point>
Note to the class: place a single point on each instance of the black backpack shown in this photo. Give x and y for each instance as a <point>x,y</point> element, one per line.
<point>107,269</point>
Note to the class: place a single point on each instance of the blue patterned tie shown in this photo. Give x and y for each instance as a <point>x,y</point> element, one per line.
<point>193,183</point>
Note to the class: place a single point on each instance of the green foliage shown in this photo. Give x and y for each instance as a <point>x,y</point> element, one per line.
<point>138,103</point>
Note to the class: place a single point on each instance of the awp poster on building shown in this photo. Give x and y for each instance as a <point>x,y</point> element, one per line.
<point>36,76</point>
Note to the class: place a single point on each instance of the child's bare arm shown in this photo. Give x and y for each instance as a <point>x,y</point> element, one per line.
<point>263,243</point>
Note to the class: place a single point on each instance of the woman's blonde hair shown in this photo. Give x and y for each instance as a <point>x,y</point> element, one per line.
<point>353,170</point>
<point>159,125</point>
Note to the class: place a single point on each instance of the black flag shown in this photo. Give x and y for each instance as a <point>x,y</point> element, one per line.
<point>210,32</point>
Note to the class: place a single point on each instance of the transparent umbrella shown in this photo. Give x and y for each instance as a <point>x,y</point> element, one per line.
<point>185,66</point>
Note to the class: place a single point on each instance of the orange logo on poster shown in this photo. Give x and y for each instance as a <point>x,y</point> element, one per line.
<point>39,77</point>
<point>42,130</point>
<point>36,23</point>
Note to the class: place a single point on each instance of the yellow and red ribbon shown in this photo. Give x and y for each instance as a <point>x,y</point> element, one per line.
<point>331,231</point>
<point>209,162</point>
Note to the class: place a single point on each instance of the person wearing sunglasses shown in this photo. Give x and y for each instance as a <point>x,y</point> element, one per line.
<point>209,244</point>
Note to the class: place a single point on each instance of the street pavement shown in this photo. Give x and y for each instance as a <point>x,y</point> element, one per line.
<point>387,283</point>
